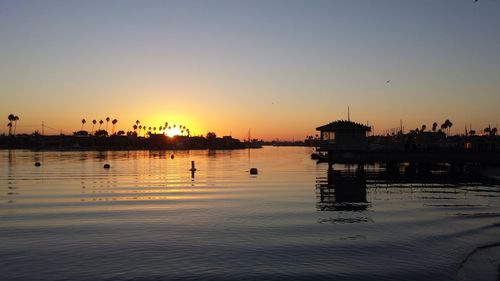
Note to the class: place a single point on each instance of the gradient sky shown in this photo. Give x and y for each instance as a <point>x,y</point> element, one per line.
<point>281,68</point>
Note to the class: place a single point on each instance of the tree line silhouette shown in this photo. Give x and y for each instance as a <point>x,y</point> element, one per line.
<point>144,130</point>
<point>445,127</point>
<point>165,128</point>
<point>138,129</point>
<point>99,131</point>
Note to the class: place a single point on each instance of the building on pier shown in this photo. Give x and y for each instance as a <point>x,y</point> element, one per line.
<point>344,135</point>
<point>347,142</point>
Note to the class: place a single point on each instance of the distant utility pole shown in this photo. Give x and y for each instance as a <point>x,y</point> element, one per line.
<point>43,128</point>
<point>348,114</point>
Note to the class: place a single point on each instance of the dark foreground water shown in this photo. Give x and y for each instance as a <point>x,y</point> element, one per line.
<point>146,218</point>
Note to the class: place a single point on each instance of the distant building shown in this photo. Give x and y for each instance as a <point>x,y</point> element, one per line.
<point>344,135</point>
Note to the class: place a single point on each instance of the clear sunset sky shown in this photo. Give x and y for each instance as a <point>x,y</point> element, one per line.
<point>281,68</point>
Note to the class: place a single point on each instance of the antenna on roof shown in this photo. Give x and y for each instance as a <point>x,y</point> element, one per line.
<point>348,114</point>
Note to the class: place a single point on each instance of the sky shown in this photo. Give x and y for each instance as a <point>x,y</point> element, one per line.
<point>277,68</point>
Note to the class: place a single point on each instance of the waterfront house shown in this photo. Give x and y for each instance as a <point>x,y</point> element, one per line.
<point>344,135</point>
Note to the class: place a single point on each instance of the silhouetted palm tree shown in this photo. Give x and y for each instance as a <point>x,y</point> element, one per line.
<point>423,128</point>
<point>434,126</point>
<point>107,121</point>
<point>10,128</point>
<point>100,124</point>
<point>93,124</point>
<point>448,125</point>
<point>12,119</point>
<point>135,128</point>
<point>114,123</point>
<point>16,118</point>
<point>83,123</point>
<point>443,126</point>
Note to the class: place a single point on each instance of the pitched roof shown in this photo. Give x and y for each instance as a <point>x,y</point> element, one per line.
<point>343,125</point>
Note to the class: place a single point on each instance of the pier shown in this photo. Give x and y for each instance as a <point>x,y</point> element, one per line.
<point>347,142</point>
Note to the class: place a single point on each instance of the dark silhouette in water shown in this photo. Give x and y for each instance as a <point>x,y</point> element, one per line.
<point>346,190</point>
<point>341,192</point>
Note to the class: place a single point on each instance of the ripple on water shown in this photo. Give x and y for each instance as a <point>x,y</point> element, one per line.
<point>148,218</point>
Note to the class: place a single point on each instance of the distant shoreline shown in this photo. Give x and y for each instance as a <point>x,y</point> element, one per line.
<point>140,149</point>
<point>123,143</point>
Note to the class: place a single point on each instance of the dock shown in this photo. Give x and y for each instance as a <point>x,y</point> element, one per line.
<point>347,142</point>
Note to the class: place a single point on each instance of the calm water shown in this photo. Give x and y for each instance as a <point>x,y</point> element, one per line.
<point>147,218</point>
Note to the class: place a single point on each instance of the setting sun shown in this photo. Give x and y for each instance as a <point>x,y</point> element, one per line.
<point>172,132</point>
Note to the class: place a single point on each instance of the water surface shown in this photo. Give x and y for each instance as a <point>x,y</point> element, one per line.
<point>149,218</point>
